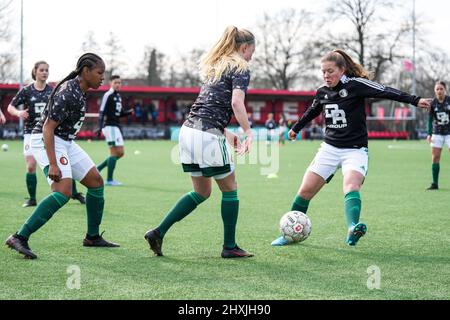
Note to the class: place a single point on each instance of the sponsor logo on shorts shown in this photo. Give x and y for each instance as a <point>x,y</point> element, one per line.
<point>63,160</point>
<point>27,147</point>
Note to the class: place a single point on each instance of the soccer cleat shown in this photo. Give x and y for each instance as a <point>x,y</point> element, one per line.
<point>20,244</point>
<point>280,241</point>
<point>355,233</point>
<point>235,252</point>
<point>433,186</point>
<point>79,196</point>
<point>30,203</point>
<point>155,241</point>
<point>98,241</point>
<point>113,183</point>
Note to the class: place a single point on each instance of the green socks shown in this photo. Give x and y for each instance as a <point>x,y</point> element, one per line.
<point>435,169</point>
<point>43,212</point>
<point>352,208</point>
<point>111,166</point>
<point>300,204</point>
<point>31,181</point>
<point>230,210</point>
<point>111,163</point>
<point>95,203</point>
<point>185,205</point>
<point>102,165</point>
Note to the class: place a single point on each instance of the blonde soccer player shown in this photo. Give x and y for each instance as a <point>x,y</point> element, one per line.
<point>204,151</point>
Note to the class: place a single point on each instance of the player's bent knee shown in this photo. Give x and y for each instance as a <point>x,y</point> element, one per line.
<point>31,169</point>
<point>206,194</point>
<point>351,188</point>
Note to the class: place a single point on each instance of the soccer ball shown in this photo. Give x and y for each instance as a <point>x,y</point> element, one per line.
<point>5,147</point>
<point>295,226</point>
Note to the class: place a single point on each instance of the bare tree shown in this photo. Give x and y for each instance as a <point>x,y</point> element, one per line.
<point>7,58</point>
<point>187,69</point>
<point>113,54</point>
<point>6,67</point>
<point>375,47</point>
<point>286,50</point>
<point>433,65</point>
<point>4,11</point>
<point>90,44</point>
<point>151,68</point>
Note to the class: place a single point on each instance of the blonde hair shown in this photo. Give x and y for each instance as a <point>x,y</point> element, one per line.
<point>224,56</point>
<point>344,61</point>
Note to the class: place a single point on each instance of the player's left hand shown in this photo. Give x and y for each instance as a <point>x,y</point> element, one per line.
<point>54,173</point>
<point>98,132</point>
<point>292,135</point>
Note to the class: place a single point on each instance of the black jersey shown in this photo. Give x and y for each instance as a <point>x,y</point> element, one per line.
<point>69,108</point>
<point>212,109</point>
<point>270,124</point>
<point>111,109</point>
<point>34,101</point>
<point>344,110</point>
<point>439,117</point>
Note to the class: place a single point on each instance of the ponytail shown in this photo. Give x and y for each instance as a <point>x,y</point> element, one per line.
<point>223,56</point>
<point>344,61</point>
<point>89,60</point>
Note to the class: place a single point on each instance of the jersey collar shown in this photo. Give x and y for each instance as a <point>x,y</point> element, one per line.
<point>344,79</point>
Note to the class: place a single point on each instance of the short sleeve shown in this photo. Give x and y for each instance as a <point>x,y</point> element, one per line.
<point>60,107</point>
<point>241,80</point>
<point>19,99</point>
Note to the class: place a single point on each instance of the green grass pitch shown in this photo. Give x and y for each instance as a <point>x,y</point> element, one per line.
<point>407,243</point>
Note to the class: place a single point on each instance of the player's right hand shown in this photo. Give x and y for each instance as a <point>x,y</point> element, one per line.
<point>429,139</point>
<point>292,135</point>
<point>23,114</point>
<point>246,145</point>
<point>54,173</point>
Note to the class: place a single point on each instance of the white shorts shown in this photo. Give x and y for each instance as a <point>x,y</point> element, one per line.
<point>438,141</point>
<point>329,159</point>
<point>73,161</point>
<point>205,154</point>
<point>26,145</point>
<point>113,136</point>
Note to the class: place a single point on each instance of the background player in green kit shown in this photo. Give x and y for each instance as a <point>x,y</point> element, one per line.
<point>60,157</point>
<point>438,129</point>
<point>204,151</point>
<point>346,139</point>
<point>109,123</point>
<point>34,98</point>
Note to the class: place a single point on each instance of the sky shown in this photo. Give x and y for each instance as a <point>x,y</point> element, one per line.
<point>54,30</point>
